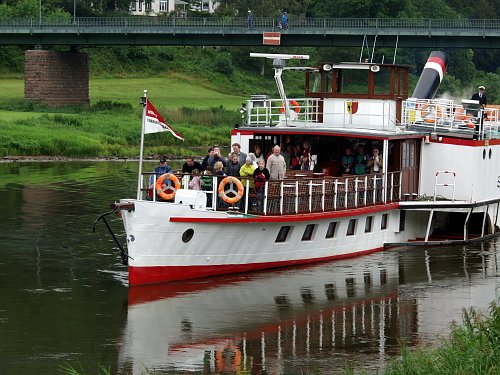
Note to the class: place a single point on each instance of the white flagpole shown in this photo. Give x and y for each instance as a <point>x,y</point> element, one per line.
<point>143,127</point>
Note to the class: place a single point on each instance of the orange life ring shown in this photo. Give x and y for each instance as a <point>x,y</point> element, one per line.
<point>237,194</point>
<point>430,113</point>
<point>159,186</point>
<point>293,104</point>
<point>228,359</point>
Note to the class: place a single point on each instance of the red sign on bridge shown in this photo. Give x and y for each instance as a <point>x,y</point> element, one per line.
<point>271,38</point>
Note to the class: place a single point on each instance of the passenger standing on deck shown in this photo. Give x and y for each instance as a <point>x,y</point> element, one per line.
<point>195,183</point>
<point>161,169</point>
<point>210,152</point>
<point>191,165</point>
<point>295,159</point>
<point>260,176</point>
<point>254,159</point>
<point>276,164</point>
<point>305,159</point>
<point>219,170</point>
<point>241,155</point>
<point>216,157</point>
<point>206,184</point>
<point>258,153</point>
<point>233,167</point>
<point>347,161</point>
<point>376,167</point>
<point>375,163</point>
<point>360,160</point>
<point>246,172</point>
<point>158,172</point>
<point>287,154</point>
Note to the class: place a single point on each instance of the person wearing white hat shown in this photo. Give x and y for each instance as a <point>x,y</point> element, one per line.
<point>250,19</point>
<point>480,96</point>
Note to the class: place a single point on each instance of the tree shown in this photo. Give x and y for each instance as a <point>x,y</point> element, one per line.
<point>363,8</point>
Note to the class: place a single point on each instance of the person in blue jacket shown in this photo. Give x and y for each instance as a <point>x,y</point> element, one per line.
<point>284,20</point>
<point>161,169</point>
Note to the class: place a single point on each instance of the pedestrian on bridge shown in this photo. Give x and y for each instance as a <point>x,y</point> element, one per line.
<point>250,20</point>
<point>284,20</point>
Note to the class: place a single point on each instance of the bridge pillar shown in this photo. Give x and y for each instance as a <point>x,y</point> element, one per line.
<point>56,78</point>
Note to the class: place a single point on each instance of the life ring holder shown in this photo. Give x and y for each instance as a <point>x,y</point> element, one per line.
<point>293,104</point>
<point>161,192</point>
<point>429,115</point>
<point>223,194</point>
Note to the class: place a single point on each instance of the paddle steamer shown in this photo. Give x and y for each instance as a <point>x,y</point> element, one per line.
<point>439,181</point>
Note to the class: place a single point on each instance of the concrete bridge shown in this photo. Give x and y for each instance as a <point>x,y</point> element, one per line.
<point>57,78</point>
<point>234,31</point>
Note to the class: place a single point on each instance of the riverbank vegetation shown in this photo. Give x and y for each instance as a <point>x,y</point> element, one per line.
<point>472,348</point>
<point>111,128</point>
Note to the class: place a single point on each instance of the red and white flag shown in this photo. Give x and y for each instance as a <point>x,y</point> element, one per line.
<point>154,123</point>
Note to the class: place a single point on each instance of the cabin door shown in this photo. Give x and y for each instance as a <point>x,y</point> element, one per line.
<point>409,166</point>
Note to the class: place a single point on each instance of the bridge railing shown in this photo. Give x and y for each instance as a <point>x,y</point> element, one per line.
<point>258,23</point>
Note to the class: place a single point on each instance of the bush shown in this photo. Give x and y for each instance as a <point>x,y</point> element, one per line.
<point>224,65</point>
<point>107,105</point>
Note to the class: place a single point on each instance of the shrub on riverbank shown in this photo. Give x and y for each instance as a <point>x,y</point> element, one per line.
<point>472,348</point>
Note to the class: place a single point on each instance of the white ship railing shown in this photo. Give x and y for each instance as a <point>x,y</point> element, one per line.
<point>438,115</point>
<point>262,111</point>
<point>302,193</point>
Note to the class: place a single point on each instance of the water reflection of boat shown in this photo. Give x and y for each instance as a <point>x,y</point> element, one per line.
<point>306,316</point>
<point>254,320</point>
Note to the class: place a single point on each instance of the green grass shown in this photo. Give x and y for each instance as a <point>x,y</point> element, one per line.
<point>111,126</point>
<point>472,348</point>
<point>172,91</point>
<point>14,116</point>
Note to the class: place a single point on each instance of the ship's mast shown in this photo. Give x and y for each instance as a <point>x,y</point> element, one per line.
<point>279,65</point>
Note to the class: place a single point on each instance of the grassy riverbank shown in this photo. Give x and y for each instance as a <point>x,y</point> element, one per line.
<point>472,348</point>
<point>111,126</point>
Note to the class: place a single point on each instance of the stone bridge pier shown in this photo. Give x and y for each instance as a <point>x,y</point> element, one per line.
<point>56,79</point>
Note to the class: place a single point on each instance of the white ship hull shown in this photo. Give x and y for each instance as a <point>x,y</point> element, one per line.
<point>227,243</point>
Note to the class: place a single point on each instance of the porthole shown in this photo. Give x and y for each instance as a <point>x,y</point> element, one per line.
<point>489,154</point>
<point>187,235</point>
<point>484,154</point>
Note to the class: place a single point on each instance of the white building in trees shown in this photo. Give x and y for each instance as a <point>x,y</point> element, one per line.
<point>157,7</point>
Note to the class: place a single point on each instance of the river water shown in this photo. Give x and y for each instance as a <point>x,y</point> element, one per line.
<point>65,300</point>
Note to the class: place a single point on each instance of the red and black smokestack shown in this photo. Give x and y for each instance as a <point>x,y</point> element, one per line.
<point>431,76</point>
